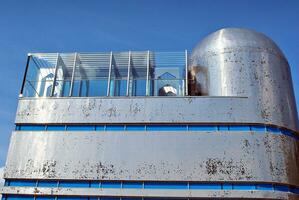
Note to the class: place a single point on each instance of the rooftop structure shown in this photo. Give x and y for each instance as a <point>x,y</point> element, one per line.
<point>219,123</point>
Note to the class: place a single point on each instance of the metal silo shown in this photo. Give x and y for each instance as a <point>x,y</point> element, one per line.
<point>221,124</point>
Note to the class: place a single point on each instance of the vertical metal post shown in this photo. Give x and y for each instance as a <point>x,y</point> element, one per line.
<point>186,71</point>
<point>128,77</point>
<point>55,76</point>
<point>25,75</point>
<point>147,73</point>
<point>80,89</point>
<point>109,73</point>
<point>73,75</point>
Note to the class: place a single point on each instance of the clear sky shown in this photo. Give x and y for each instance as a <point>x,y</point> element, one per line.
<point>93,25</point>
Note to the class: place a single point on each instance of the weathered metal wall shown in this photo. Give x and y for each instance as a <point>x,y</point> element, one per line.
<point>156,194</point>
<point>146,110</point>
<point>175,156</point>
<point>250,80</point>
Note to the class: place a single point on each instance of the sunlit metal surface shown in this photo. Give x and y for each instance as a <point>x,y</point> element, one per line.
<point>236,77</point>
<point>241,62</point>
<point>149,110</point>
<point>149,194</point>
<point>175,156</point>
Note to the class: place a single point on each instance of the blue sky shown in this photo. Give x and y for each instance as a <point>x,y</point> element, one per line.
<point>90,25</point>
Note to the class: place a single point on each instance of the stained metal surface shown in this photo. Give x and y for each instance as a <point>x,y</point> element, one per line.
<point>150,109</point>
<point>242,62</point>
<point>245,79</point>
<point>188,156</point>
<point>92,192</point>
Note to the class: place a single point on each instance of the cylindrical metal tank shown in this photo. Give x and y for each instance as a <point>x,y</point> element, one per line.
<point>242,62</point>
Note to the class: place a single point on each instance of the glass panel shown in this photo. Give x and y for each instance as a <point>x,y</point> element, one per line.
<point>138,73</point>
<point>118,87</point>
<point>91,74</point>
<point>168,74</point>
<point>138,87</point>
<point>40,75</point>
<point>165,71</point>
<point>62,88</point>
<point>64,74</point>
<point>119,74</point>
<point>168,87</point>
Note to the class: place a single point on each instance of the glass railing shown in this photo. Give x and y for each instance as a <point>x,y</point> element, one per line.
<point>105,74</point>
<point>99,88</point>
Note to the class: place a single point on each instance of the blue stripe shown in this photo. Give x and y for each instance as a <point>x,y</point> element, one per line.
<point>203,128</point>
<point>135,128</point>
<point>205,186</point>
<point>264,187</point>
<point>31,127</point>
<point>111,184</point>
<point>166,127</point>
<point>239,128</point>
<point>282,188</point>
<point>22,183</point>
<point>42,198</point>
<point>80,128</point>
<point>56,128</point>
<point>258,128</point>
<point>223,128</point>
<point>100,128</point>
<point>244,187</point>
<point>115,127</point>
<point>44,183</point>
<point>273,129</point>
<point>74,184</point>
<point>185,185</point>
<point>165,185</point>
<point>227,186</point>
<point>133,185</point>
<point>17,197</point>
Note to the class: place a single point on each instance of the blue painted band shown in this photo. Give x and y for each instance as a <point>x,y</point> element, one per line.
<point>177,185</point>
<point>164,127</point>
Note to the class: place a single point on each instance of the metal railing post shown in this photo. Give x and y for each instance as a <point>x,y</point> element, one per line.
<point>186,71</point>
<point>73,75</point>
<point>109,73</point>
<point>25,75</point>
<point>128,77</point>
<point>147,74</point>
<point>55,76</point>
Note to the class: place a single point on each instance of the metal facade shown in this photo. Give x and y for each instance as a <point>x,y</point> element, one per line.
<point>239,139</point>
